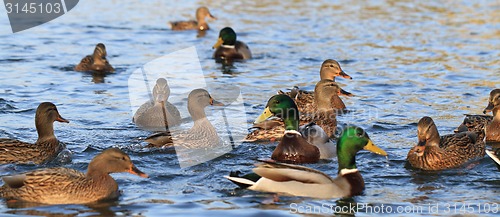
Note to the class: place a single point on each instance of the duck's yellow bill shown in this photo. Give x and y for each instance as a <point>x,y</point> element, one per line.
<point>264,116</point>
<point>218,43</point>
<point>375,149</point>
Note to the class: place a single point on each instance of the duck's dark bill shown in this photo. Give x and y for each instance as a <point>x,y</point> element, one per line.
<point>344,75</point>
<point>61,119</point>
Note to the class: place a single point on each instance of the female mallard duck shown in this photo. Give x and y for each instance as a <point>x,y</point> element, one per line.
<point>306,182</point>
<point>96,62</point>
<point>329,70</point>
<point>492,130</point>
<point>228,49</point>
<point>202,134</point>
<point>293,148</point>
<point>68,186</point>
<point>199,24</point>
<point>46,146</point>
<point>437,153</point>
<point>327,102</point>
<point>158,114</point>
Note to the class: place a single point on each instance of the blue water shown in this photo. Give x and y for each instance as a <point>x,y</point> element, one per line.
<point>407,60</point>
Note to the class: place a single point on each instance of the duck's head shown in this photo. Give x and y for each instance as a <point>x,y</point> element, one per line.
<point>113,160</point>
<point>281,106</point>
<point>202,13</point>
<point>227,37</point>
<point>161,91</point>
<point>198,99</point>
<point>493,102</point>
<point>326,95</point>
<point>427,134</point>
<point>352,140</point>
<point>47,113</point>
<point>100,55</point>
<point>331,69</point>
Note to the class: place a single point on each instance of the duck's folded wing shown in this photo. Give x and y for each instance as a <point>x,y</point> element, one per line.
<point>281,172</point>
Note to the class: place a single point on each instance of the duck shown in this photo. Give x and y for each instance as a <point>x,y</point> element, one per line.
<point>96,62</point>
<point>198,24</point>
<point>292,148</point>
<point>68,186</point>
<point>295,180</point>
<point>439,153</point>
<point>46,147</point>
<point>228,49</point>
<point>202,134</point>
<point>158,114</point>
<point>316,136</point>
<point>492,130</point>
<point>325,109</point>
<point>495,156</point>
<point>329,70</point>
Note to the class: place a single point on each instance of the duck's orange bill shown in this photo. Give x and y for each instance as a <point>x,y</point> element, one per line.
<point>61,119</point>
<point>135,171</point>
<point>375,149</point>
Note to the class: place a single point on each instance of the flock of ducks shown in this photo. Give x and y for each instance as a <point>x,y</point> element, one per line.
<point>303,122</point>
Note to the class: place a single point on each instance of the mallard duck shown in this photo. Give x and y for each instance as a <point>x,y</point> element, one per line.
<point>492,130</point>
<point>46,146</point>
<point>96,62</point>
<point>326,107</point>
<point>329,70</point>
<point>228,49</point>
<point>437,153</point>
<point>315,135</point>
<point>302,181</point>
<point>293,148</point>
<point>158,114</point>
<point>202,134</point>
<point>68,186</point>
<point>199,24</point>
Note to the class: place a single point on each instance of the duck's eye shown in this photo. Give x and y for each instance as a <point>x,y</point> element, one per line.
<point>331,65</point>
<point>124,159</point>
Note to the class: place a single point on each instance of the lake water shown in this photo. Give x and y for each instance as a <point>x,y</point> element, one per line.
<point>407,60</point>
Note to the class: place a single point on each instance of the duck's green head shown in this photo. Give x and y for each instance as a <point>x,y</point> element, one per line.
<point>281,106</point>
<point>227,36</point>
<point>352,140</point>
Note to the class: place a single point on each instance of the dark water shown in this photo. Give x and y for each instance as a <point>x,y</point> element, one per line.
<point>407,60</point>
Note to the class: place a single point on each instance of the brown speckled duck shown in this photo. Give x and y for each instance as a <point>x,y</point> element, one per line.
<point>96,62</point>
<point>293,148</point>
<point>326,107</point>
<point>329,70</point>
<point>46,146</point>
<point>199,24</point>
<point>69,186</point>
<point>492,130</point>
<point>228,49</point>
<point>437,153</point>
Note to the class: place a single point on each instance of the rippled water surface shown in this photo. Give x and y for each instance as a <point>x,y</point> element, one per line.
<point>407,60</point>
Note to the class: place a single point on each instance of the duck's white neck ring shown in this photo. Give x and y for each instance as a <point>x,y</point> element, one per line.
<point>292,132</point>
<point>227,46</point>
<point>347,171</point>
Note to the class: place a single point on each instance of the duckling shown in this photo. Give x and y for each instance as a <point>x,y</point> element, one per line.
<point>200,23</point>
<point>68,186</point>
<point>302,181</point>
<point>438,153</point>
<point>96,62</point>
<point>202,134</point>
<point>46,147</point>
<point>158,114</point>
<point>228,49</point>
<point>293,148</point>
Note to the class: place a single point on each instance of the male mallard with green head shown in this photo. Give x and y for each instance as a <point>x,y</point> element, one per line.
<point>293,148</point>
<point>437,153</point>
<point>96,62</point>
<point>199,24</point>
<point>302,181</point>
<point>68,186</point>
<point>228,49</point>
<point>46,146</point>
